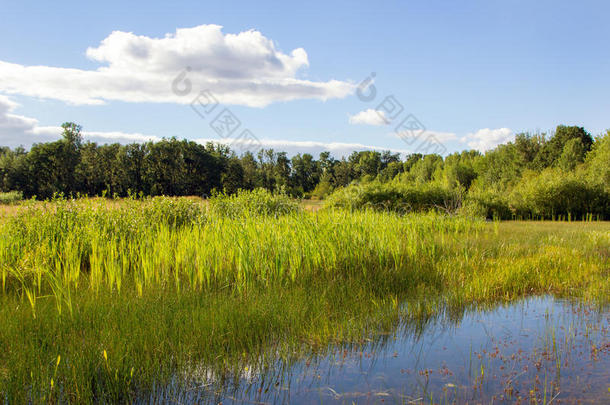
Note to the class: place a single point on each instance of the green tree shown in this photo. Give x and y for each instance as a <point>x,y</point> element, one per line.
<point>597,162</point>
<point>343,172</point>
<point>572,155</point>
<point>305,173</point>
<point>551,150</point>
<point>252,177</point>
<point>233,177</point>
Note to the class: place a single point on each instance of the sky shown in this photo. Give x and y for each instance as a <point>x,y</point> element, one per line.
<point>406,76</point>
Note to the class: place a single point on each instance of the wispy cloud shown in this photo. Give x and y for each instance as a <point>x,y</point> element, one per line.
<point>369,117</point>
<point>16,130</point>
<point>337,149</point>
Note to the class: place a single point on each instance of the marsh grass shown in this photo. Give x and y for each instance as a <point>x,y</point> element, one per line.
<point>102,301</point>
<point>246,203</point>
<point>10,197</point>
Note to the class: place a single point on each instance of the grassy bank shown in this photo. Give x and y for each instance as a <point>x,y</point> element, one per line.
<point>101,301</point>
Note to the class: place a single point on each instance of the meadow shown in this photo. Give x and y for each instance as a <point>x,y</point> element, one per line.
<point>104,300</point>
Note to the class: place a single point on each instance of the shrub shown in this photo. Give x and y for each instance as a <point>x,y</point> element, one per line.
<point>555,193</point>
<point>323,189</point>
<point>487,203</point>
<point>256,202</point>
<point>397,197</point>
<point>11,197</point>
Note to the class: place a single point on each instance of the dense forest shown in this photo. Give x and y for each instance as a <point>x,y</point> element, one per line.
<point>565,173</point>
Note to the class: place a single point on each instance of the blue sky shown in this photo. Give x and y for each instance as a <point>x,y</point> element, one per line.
<point>472,72</point>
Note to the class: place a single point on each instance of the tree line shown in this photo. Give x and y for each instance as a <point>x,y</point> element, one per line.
<point>512,171</point>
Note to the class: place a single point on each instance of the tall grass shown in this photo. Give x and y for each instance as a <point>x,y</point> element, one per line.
<point>169,243</point>
<point>256,202</point>
<point>11,197</point>
<point>107,299</point>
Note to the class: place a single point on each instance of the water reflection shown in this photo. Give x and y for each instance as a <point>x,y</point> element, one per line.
<point>539,349</point>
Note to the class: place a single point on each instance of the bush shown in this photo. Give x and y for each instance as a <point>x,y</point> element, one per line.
<point>555,193</point>
<point>397,197</point>
<point>323,189</point>
<point>11,197</point>
<point>256,202</point>
<point>487,203</point>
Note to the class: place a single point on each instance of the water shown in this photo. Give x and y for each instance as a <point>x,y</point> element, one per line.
<point>541,349</point>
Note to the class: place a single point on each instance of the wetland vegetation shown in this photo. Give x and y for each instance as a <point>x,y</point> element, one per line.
<point>145,298</point>
<point>111,300</point>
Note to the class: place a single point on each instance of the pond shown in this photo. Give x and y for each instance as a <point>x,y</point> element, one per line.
<point>538,349</point>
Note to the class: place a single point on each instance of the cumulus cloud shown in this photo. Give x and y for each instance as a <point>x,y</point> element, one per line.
<point>486,139</point>
<point>369,117</point>
<point>239,69</point>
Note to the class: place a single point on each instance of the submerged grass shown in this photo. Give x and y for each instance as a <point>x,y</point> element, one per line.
<point>100,301</point>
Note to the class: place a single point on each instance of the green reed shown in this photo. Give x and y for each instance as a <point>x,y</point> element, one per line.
<point>132,293</point>
<point>66,244</point>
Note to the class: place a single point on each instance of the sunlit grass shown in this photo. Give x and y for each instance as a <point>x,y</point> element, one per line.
<point>131,293</point>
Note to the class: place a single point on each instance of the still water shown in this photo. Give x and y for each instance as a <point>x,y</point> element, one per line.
<point>538,350</point>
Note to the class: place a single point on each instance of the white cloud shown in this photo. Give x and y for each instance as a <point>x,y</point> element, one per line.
<point>117,136</point>
<point>12,122</point>
<point>337,149</point>
<point>369,117</point>
<point>16,130</point>
<point>486,139</point>
<point>240,69</point>
<point>443,136</point>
